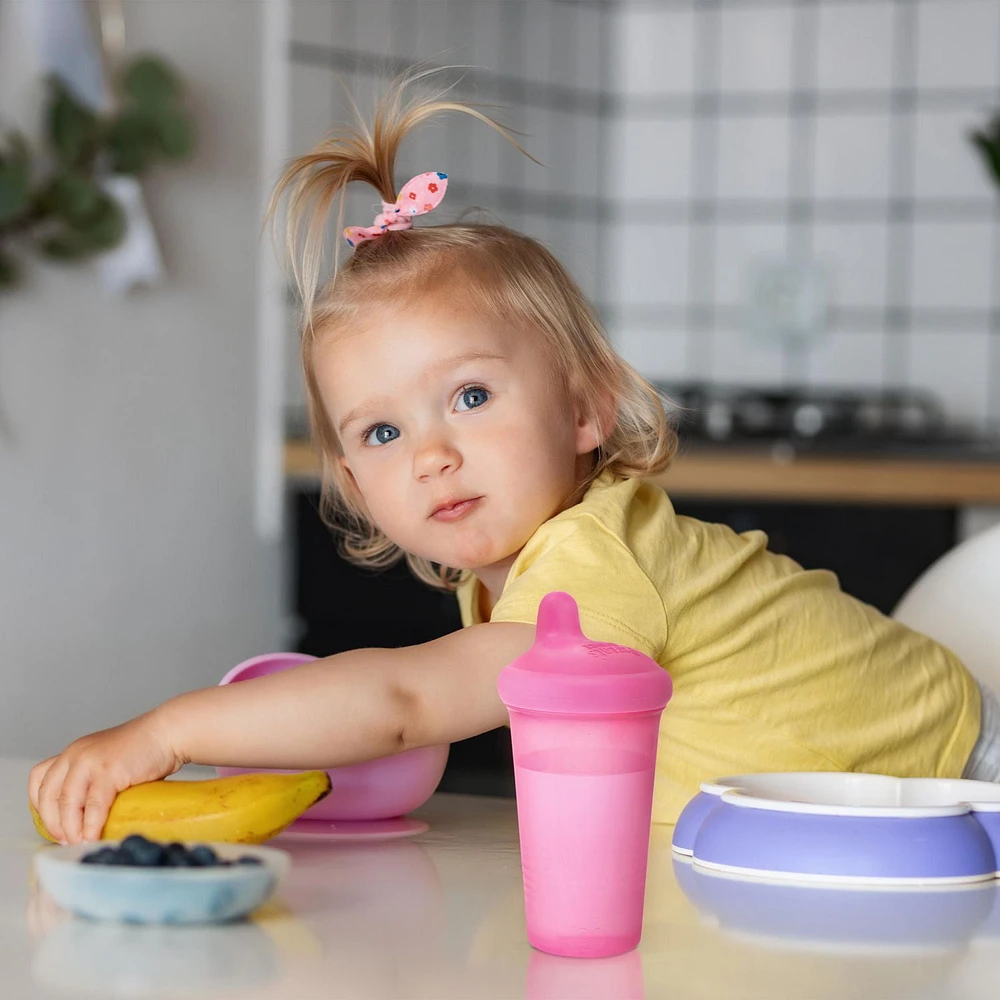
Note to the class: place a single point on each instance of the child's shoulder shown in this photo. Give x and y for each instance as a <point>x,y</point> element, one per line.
<point>632,518</point>
<point>618,520</point>
<point>616,501</point>
<point>599,527</point>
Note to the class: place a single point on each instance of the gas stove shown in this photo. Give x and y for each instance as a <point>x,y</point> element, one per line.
<point>891,421</point>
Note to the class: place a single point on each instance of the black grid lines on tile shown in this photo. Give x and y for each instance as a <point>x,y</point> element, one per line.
<point>491,84</point>
<point>804,99</point>
<point>900,208</point>
<point>704,173</point>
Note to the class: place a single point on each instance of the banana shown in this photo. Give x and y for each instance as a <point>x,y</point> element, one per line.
<point>241,809</point>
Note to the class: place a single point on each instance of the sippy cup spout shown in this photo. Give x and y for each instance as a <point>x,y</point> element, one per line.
<point>558,620</point>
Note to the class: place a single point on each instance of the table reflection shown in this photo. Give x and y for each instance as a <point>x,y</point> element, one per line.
<point>870,917</point>
<point>551,977</point>
<point>359,911</point>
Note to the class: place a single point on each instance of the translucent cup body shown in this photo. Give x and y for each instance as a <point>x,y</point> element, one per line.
<point>584,804</point>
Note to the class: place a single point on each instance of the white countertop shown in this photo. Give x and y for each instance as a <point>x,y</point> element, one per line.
<point>440,916</point>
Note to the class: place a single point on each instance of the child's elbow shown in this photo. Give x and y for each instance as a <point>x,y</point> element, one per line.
<point>409,719</point>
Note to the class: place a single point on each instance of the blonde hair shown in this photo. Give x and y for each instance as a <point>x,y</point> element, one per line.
<point>507,273</point>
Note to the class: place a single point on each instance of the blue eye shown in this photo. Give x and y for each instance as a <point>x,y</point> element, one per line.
<point>381,433</point>
<point>474,396</point>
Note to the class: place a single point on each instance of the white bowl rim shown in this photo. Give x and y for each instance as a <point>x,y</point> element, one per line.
<point>721,785</point>
<point>963,794</point>
<point>737,797</point>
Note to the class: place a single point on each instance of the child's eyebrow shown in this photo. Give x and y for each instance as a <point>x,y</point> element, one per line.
<point>448,364</point>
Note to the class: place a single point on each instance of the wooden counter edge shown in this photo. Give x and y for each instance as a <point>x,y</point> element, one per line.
<point>738,475</point>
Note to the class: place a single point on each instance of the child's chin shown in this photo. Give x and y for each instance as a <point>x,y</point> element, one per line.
<point>463,560</point>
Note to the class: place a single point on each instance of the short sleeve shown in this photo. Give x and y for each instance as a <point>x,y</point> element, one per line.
<point>617,601</point>
<point>465,594</point>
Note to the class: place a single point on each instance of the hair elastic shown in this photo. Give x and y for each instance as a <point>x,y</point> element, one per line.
<point>418,196</point>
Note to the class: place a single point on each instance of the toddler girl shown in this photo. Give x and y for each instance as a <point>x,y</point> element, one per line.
<point>473,419</point>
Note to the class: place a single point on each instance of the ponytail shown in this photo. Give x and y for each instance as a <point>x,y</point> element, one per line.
<point>354,153</point>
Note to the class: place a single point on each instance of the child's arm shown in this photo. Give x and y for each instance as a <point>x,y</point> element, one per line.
<point>354,706</point>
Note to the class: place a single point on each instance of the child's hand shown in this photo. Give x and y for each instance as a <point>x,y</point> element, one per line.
<point>73,791</point>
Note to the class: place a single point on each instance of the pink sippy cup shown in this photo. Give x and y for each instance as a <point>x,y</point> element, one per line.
<point>584,721</point>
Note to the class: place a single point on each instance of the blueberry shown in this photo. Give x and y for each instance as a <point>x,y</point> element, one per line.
<point>248,859</point>
<point>102,856</point>
<point>176,855</point>
<point>203,856</point>
<point>137,850</point>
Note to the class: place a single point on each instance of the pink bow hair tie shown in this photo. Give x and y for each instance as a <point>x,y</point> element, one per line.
<point>418,196</point>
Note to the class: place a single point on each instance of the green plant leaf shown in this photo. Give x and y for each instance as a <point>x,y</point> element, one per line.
<point>173,133</point>
<point>104,230</point>
<point>74,196</point>
<point>149,81</point>
<point>65,245</point>
<point>74,130</point>
<point>127,141</point>
<point>93,219</point>
<point>106,227</point>
<point>15,179</point>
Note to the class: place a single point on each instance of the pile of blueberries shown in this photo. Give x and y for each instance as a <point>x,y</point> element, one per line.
<point>137,851</point>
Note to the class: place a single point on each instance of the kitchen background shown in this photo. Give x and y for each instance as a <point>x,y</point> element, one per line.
<point>687,144</point>
<point>697,156</point>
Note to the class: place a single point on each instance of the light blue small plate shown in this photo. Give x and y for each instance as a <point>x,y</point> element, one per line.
<point>160,895</point>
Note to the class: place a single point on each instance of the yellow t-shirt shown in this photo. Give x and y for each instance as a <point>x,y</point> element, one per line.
<point>774,667</point>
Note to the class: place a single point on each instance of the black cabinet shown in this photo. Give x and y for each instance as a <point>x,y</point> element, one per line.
<point>877,552</point>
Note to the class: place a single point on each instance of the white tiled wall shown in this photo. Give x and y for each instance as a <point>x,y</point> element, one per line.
<point>832,129</point>
<point>731,131</point>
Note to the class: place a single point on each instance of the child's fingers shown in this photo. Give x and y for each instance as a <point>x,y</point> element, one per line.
<point>72,799</point>
<point>48,798</point>
<point>100,797</point>
<point>35,779</point>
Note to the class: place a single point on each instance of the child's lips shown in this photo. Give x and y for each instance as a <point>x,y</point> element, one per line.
<point>457,510</point>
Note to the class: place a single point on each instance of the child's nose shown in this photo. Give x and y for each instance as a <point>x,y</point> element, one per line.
<point>436,456</point>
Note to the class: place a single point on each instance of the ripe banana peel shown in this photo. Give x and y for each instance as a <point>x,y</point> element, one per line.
<point>241,809</point>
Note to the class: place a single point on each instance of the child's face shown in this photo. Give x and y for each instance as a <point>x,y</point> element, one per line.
<point>424,423</point>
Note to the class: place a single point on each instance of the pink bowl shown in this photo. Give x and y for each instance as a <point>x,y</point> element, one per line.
<point>375,789</point>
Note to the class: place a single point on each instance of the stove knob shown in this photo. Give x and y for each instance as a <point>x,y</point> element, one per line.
<point>808,420</point>
<point>757,416</point>
<point>718,421</point>
<point>914,419</point>
<point>870,416</point>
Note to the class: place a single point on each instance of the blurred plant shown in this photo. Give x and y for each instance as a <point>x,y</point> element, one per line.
<point>54,202</point>
<point>987,141</point>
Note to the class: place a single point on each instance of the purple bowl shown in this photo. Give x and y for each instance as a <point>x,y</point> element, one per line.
<point>937,844</point>
<point>844,827</point>
<point>989,820</point>
<point>693,815</point>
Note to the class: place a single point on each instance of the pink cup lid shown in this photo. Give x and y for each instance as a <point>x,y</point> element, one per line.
<point>566,672</point>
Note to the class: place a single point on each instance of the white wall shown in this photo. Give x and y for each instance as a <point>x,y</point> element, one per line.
<point>129,568</point>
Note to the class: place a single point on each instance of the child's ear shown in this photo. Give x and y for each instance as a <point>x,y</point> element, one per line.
<point>594,422</point>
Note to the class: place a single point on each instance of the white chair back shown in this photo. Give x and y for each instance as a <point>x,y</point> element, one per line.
<point>957,602</point>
